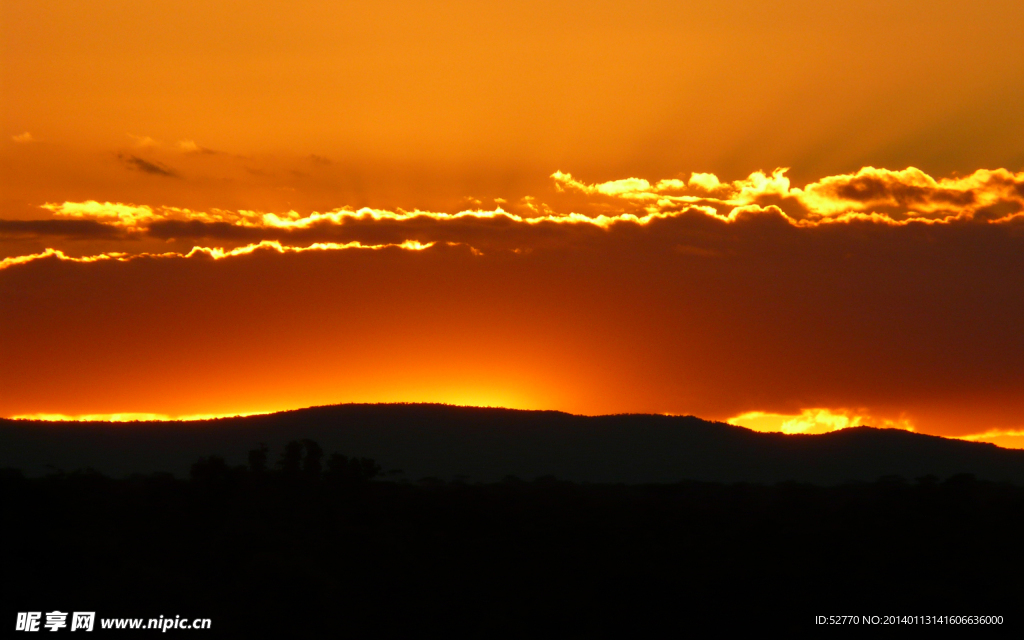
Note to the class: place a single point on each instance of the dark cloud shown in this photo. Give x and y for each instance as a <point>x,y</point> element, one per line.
<point>315,159</point>
<point>793,207</point>
<point>872,188</point>
<point>66,228</point>
<point>195,230</point>
<point>153,168</point>
<point>485,233</point>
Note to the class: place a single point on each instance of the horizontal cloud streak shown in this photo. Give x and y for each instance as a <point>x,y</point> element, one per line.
<point>145,166</point>
<point>69,228</point>
<point>692,217</point>
<point>889,195</point>
<point>215,253</point>
<point>875,195</point>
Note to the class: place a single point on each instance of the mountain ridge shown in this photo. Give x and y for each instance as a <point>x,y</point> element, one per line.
<point>487,443</point>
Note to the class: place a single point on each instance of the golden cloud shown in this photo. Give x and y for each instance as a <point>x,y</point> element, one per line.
<point>216,253</point>
<point>872,197</point>
<point>876,195</point>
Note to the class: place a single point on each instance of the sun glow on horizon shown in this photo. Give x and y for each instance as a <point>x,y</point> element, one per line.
<point>815,421</point>
<point>819,420</point>
<point>1007,438</point>
<point>132,417</point>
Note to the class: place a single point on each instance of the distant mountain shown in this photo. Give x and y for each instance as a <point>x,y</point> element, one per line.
<point>480,444</point>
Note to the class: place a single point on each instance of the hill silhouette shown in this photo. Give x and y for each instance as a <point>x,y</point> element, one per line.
<point>298,533</point>
<point>486,444</point>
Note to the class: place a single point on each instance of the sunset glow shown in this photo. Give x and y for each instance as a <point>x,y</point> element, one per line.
<point>124,417</point>
<point>744,215</point>
<point>812,421</point>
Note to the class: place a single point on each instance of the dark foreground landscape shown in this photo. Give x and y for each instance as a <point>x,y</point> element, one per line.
<point>298,540</point>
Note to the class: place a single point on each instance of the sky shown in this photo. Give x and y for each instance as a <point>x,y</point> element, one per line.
<point>795,216</point>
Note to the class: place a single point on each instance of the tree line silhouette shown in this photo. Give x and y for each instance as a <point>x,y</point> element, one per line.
<point>299,542</point>
<point>300,460</point>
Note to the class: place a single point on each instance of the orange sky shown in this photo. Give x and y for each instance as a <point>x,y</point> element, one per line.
<point>627,243</point>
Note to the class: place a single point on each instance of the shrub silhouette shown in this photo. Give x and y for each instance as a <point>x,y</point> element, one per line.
<point>343,469</point>
<point>300,458</point>
<point>314,454</point>
<point>258,459</point>
<point>211,471</point>
<point>291,458</point>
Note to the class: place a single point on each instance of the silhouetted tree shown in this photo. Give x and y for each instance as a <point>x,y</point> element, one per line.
<point>258,459</point>
<point>291,459</point>
<point>337,465</point>
<point>368,469</point>
<point>314,454</point>
<point>341,468</point>
<point>210,471</point>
